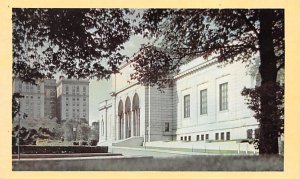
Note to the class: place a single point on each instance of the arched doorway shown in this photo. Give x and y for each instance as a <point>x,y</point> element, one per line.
<point>121,120</point>
<point>136,115</point>
<point>127,118</point>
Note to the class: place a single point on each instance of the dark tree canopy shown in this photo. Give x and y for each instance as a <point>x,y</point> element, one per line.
<point>228,34</point>
<point>80,43</point>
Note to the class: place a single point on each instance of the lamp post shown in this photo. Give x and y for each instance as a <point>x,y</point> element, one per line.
<point>74,130</point>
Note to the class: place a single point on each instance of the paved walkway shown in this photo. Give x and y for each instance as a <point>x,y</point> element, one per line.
<point>157,153</point>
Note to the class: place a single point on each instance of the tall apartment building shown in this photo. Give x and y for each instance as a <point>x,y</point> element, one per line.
<point>72,99</point>
<point>39,100</point>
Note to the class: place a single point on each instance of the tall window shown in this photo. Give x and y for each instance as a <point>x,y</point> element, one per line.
<point>223,96</point>
<point>203,101</point>
<point>186,112</point>
<point>84,90</point>
<point>167,127</point>
<point>67,90</point>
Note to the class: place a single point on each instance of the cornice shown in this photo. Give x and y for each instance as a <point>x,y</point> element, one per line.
<point>196,68</point>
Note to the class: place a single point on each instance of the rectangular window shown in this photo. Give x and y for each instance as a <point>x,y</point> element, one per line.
<point>186,112</point>
<point>256,133</point>
<point>222,135</point>
<point>181,138</point>
<point>190,138</point>
<point>249,134</point>
<point>185,138</point>
<point>84,90</point>
<point>227,135</point>
<point>198,137</point>
<point>203,101</point>
<point>206,136</point>
<point>202,136</point>
<point>217,136</point>
<point>167,127</point>
<point>223,96</point>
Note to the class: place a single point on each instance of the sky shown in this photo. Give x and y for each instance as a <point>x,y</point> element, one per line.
<point>99,90</point>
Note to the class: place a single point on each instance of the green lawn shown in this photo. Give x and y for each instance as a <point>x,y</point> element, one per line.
<point>182,163</point>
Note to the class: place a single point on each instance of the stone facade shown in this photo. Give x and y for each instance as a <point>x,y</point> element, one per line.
<point>204,104</point>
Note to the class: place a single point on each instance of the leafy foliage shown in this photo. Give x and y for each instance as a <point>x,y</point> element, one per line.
<point>82,130</point>
<point>16,104</point>
<point>80,43</point>
<point>228,34</point>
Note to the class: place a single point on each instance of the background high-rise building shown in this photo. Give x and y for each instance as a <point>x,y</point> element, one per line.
<point>72,99</point>
<point>39,101</point>
<point>68,99</point>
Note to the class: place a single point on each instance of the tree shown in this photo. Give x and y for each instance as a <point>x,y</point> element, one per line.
<point>228,34</point>
<point>81,43</point>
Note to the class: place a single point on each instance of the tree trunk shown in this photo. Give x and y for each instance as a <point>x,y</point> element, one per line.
<point>268,138</point>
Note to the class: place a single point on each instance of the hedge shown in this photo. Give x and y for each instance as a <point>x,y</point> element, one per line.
<point>30,149</point>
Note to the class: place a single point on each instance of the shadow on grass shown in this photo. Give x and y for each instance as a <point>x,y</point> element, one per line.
<point>182,163</point>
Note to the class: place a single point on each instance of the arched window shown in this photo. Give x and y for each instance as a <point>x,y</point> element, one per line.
<point>136,115</point>
<point>127,118</point>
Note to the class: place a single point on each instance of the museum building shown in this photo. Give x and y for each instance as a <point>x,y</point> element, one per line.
<point>204,104</point>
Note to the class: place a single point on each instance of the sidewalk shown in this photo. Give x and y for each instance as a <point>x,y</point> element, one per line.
<point>139,151</point>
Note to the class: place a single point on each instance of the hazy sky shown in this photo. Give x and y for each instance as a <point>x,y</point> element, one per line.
<point>99,90</point>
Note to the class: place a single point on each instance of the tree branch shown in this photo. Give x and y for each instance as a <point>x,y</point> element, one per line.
<point>280,66</point>
<point>250,25</point>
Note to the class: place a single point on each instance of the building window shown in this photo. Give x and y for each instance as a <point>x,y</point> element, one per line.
<point>202,136</point>
<point>73,89</point>
<point>222,135</point>
<point>84,99</point>
<point>217,136</point>
<point>206,137</point>
<point>181,138</point>
<point>227,135</point>
<point>190,138</point>
<point>198,138</point>
<point>167,127</point>
<point>185,138</point>
<point>186,112</point>
<point>223,96</point>
<point>67,90</point>
<point>203,101</point>
<point>249,133</point>
<point>84,90</point>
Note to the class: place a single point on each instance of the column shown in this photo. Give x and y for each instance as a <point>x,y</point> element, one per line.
<point>124,126</point>
<point>131,123</point>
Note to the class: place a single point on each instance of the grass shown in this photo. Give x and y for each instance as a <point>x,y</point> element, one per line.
<point>183,163</point>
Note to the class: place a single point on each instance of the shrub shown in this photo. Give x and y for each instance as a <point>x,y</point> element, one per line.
<point>27,149</point>
<point>83,143</point>
<point>93,142</point>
